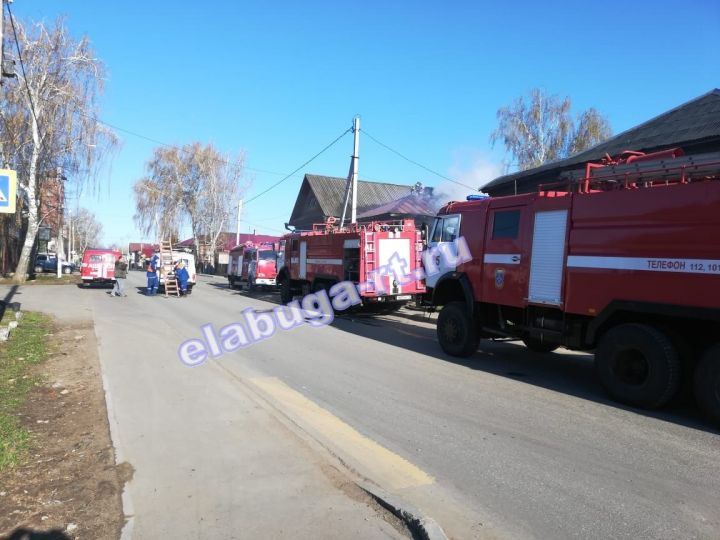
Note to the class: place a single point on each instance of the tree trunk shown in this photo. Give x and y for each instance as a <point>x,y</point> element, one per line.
<point>33,221</point>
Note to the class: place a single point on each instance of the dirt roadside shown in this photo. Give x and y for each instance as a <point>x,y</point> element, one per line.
<point>69,485</point>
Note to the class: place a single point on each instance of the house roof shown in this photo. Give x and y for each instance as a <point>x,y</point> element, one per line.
<point>226,240</point>
<point>413,204</point>
<point>138,246</point>
<point>691,123</point>
<point>330,193</point>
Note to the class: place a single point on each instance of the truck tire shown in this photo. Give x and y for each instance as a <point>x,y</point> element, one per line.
<point>66,270</point>
<point>707,383</point>
<point>538,346</point>
<point>456,330</point>
<point>286,295</point>
<point>638,365</point>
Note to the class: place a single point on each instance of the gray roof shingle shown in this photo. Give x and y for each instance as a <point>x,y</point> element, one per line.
<point>330,192</point>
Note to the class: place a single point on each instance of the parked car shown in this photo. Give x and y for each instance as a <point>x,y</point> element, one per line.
<point>40,260</point>
<point>50,265</point>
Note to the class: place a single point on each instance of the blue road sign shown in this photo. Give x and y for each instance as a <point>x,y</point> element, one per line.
<point>8,185</point>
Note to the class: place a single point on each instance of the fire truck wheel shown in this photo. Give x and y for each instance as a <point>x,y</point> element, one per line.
<point>638,365</point>
<point>707,383</point>
<point>456,330</point>
<point>538,346</point>
<point>286,295</point>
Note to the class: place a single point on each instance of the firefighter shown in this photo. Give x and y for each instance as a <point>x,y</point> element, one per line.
<point>182,276</point>
<point>152,279</point>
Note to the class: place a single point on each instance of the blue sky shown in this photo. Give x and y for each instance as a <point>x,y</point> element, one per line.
<point>282,79</point>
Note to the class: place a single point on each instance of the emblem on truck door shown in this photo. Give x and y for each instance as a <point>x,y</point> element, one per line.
<point>499,278</point>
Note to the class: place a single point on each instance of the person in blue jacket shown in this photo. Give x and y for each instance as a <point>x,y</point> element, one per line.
<point>182,276</point>
<point>152,279</point>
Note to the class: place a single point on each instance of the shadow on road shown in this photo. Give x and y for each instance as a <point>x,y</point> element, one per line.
<point>91,285</point>
<point>7,300</point>
<point>29,534</point>
<point>572,374</point>
<point>258,293</point>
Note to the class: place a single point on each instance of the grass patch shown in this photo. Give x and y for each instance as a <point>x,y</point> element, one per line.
<point>28,345</point>
<point>46,279</point>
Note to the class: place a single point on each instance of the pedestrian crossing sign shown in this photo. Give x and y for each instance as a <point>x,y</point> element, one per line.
<point>8,185</point>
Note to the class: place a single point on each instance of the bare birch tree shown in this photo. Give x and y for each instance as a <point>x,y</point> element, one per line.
<point>87,230</point>
<point>221,188</point>
<point>47,118</point>
<point>193,185</point>
<point>159,196</point>
<point>540,129</point>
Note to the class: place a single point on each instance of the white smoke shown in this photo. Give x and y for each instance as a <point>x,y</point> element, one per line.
<point>471,168</point>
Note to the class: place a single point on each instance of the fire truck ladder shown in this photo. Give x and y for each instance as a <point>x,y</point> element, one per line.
<point>636,170</point>
<point>166,265</point>
<point>370,276</point>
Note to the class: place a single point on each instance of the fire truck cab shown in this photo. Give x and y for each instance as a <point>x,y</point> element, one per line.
<point>253,265</point>
<point>624,260</point>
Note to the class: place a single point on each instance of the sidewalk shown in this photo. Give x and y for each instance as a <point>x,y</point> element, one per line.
<point>209,461</point>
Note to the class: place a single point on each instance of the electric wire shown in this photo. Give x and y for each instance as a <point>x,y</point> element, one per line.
<point>276,184</point>
<point>223,161</point>
<point>164,144</point>
<point>416,163</point>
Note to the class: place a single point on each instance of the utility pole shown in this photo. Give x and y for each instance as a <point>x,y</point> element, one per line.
<point>60,249</point>
<point>351,185</point>
<point>237,235</point>
<point>355,157</point>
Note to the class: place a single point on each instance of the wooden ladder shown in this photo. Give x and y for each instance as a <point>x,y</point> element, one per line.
<point>167,270</point>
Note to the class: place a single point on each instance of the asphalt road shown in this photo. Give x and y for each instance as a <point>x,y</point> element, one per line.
<point>528,439</point>
<point>517,444</point>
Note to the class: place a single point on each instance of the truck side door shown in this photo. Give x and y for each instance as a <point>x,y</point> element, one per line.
<point>245,264</point>
<point>445,231</point>
<point>505,263</point>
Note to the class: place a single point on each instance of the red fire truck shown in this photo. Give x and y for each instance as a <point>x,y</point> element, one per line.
<point>98,266</point>
<point>622,257</point>
<point>253,265</point>
<point>317,259</point>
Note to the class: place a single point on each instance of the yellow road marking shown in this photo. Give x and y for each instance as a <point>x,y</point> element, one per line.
<point>369,458</point>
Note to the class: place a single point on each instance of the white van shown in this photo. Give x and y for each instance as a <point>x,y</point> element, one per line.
<point>189,260</point>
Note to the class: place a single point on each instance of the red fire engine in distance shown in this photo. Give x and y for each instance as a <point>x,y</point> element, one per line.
<point>253,265</point>
<point>318,259</point>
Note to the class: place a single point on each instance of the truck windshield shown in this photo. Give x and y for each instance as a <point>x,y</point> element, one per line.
<point>267,255</point>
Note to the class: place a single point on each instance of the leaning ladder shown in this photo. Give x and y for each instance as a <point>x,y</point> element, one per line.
<point>166,264</point>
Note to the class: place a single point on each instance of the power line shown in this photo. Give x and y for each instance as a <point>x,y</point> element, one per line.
<point>262,226</point>
<point>418,164</point>
<point>22,65</point>
<point>276,184</point>
<point>161,143</point>
<point>96,119</point>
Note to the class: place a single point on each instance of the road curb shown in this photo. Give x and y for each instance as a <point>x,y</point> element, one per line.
<point>422,526</point>
<point>126,532</point>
